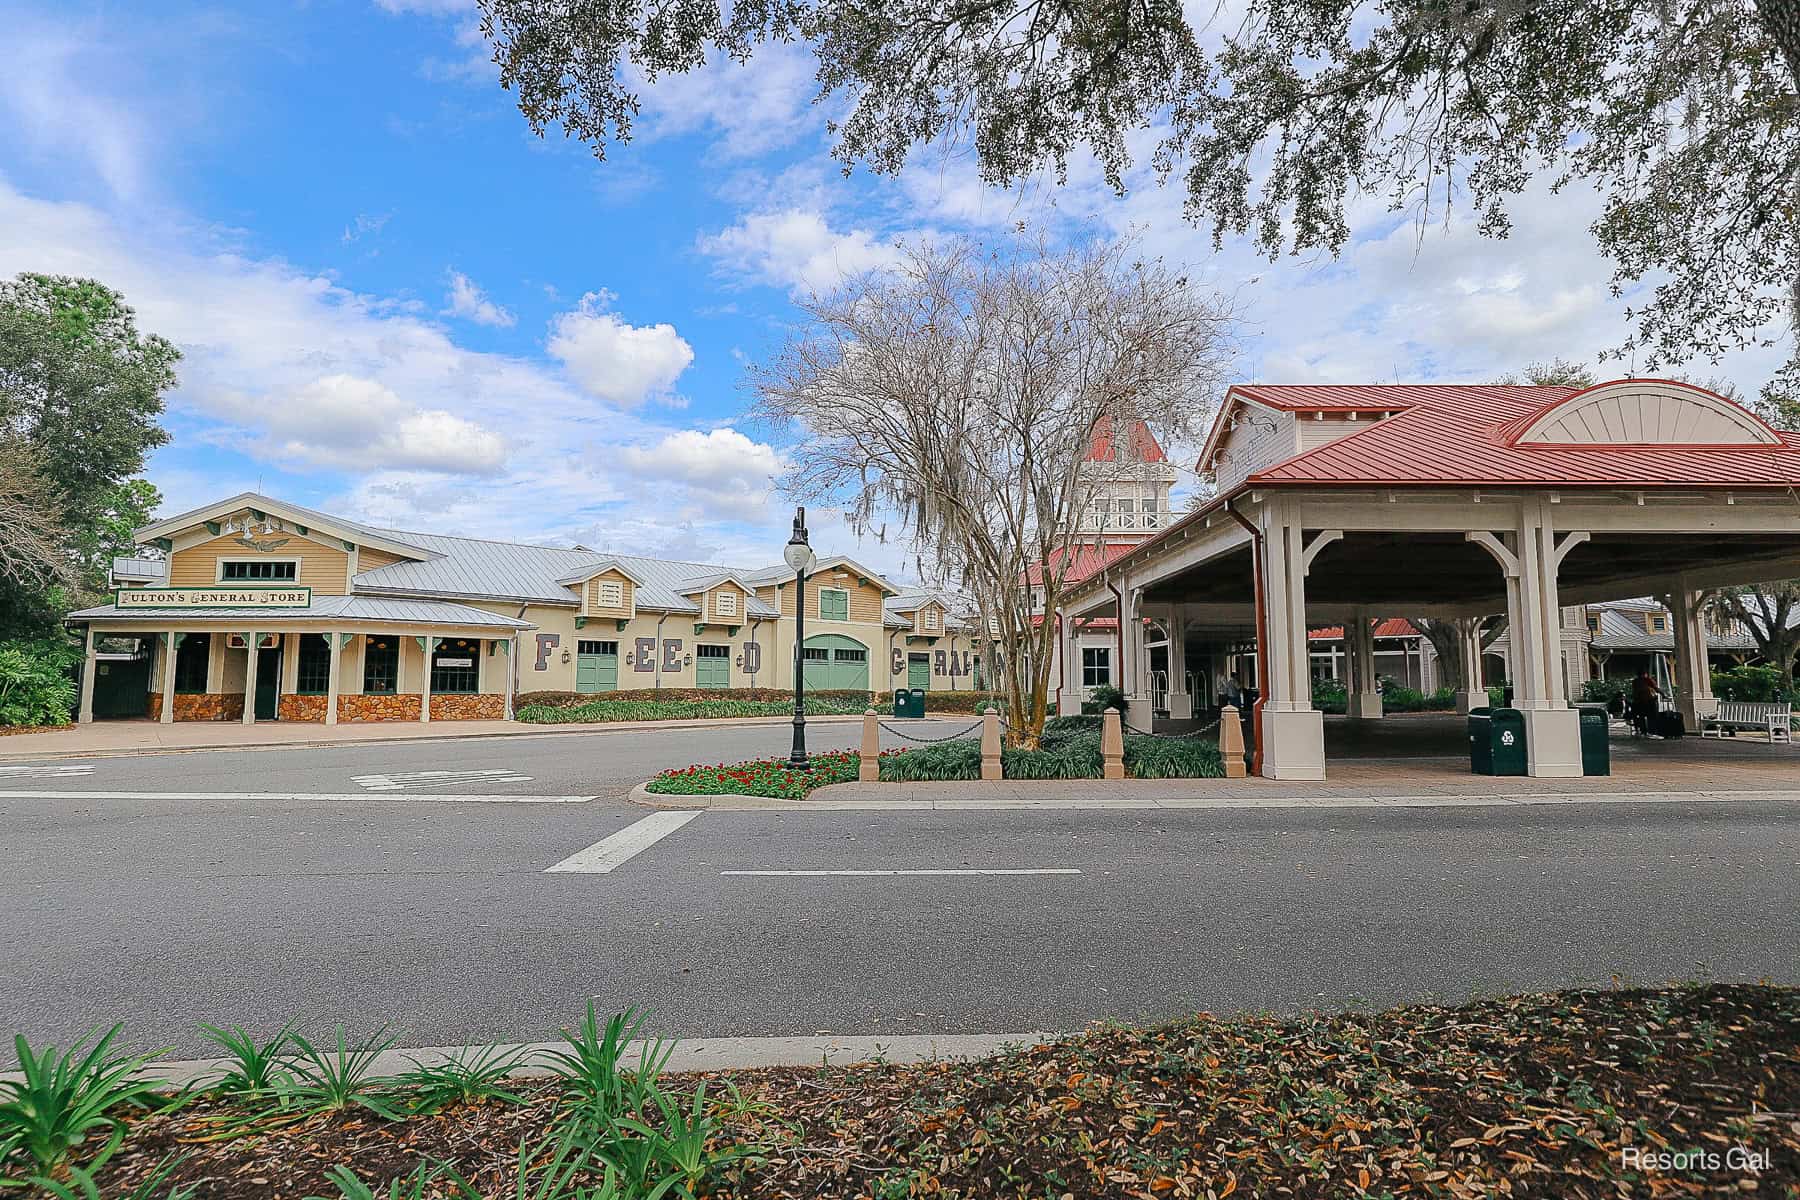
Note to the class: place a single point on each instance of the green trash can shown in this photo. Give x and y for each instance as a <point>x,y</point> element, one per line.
<point>1596,751</point>
<point>1496,741</point>
<point>917,698</point>
<point>909,703</point>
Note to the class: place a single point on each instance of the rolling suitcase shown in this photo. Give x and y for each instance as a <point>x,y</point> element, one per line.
<point>1667,725</point>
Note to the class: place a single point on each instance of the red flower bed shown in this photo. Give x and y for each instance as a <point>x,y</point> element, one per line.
<point>762,777</point>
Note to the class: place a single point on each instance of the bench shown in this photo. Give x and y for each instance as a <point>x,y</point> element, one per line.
<point>1774,719</point>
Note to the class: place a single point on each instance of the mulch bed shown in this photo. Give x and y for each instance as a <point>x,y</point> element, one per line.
<point>1530,1096</point>
<point>5,730</point>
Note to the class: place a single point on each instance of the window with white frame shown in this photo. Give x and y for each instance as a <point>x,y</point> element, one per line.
<point>931,618</point>
<point>1096,666</point>
<point>612,594</point>
<point>725,604</point>
<point>273,570</point>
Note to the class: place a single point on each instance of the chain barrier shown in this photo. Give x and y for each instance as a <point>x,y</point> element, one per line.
<point>1128,731</point>
<point>902,734</point>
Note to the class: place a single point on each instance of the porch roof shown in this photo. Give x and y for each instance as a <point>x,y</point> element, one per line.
<point>375,610</point>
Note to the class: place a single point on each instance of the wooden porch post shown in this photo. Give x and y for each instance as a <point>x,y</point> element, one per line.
<point>86,715</point>
<point>171,645</point>
<point>334,656</point>
<point>252,644</point>
<point>507,647</point>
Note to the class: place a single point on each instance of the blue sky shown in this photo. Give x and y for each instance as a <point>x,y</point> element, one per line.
<point>398,304</point>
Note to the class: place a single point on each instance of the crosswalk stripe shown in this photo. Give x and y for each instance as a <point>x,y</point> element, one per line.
<point>619,848</point>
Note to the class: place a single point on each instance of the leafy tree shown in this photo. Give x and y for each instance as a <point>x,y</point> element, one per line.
<point>128,507</point>
<point>81,391</point>
<point>1555,373</point>
<point>962,390</point>
<point>1683,113</point>
<point>1770,613</point>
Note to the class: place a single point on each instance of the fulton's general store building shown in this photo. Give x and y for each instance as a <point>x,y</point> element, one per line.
<point>255,609</point>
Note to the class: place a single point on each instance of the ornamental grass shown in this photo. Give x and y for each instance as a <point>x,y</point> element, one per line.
<point>1575,1095</point>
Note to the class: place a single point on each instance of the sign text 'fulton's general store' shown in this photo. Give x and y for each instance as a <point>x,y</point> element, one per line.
<point>215,597</point>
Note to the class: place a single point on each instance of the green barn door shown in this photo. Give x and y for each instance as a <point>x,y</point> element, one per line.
<point>596,666</point>
<point>268,682</point>
<point>712,666</point>
<point>836,663</point>
<point>918,672</point>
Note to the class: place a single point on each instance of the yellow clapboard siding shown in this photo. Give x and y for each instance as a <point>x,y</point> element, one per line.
<point>324,569</point>
<point>627,594</point>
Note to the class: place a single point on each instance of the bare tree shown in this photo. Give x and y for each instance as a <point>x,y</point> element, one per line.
<point>956,395</point>
<point>31,536</point>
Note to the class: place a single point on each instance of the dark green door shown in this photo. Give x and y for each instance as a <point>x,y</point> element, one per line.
<point>268,682</point>
<point>712,666</point>
<point>597,667</point>
<point>121,687</point>
<point>918,671</point>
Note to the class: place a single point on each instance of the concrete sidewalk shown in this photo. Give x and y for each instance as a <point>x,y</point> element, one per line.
<point>108,738</point>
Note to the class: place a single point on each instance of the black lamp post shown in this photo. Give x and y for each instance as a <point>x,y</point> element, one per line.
<point>799,555</point>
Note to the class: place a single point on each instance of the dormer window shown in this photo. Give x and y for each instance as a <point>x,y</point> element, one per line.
<point>725,604</point>
<point>612,594</point>
<point>931,619</point>
<point>1659,623</point>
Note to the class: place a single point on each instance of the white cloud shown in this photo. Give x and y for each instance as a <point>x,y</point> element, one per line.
<point>797,249</point>
<point>618,362</point>
<point>754,107</point>
<point>60,97</point>
<point>426,8</point>
<point>468,301</point>
<point>345,421</point>
<point>716,458</point>
<point>365,225</point>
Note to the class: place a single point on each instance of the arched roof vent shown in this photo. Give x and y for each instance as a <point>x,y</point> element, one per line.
<point>1644,412</point>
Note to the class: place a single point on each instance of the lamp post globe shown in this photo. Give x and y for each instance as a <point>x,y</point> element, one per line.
<point>800,557</point>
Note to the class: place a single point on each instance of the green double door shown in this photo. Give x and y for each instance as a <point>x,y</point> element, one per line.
<point>596,666</point>
<point>836,663</point>
<point>918,672</point>
<point>712,666</point>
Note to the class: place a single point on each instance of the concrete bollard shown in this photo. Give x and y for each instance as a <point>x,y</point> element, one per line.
<point>1231,743</point>
<point>990,744</point>
<point>1112,746</point>
<point>868,770</point>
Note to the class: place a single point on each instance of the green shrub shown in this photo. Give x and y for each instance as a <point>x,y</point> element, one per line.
<point>762,695</point>
<point>608,709</point>
<point>1329,696</point>
<point>35,683</point>
<point>1102,698</point>
<point>1757,685</point>
<point>60,1099</point>
<point>951,702</point>
<point>1172,758</point>
<point>1059,730</point>
<point>1606,691</point>
<point>1402,699</point>
<point>936,763</point>
<point>1496,696</point>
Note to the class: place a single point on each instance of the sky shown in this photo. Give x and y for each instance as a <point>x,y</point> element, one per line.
<point>397,304</point>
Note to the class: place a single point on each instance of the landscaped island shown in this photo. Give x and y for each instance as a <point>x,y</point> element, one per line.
<point>1579,1094</point>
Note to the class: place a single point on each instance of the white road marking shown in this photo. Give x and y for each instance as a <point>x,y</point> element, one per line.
<point>932,871</point>
<point>399,781</point>
<point>47,771</point>
<point>617,849</point>
<point>365,797</point>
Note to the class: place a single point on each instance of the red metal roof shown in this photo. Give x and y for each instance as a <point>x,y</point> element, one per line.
<point>1320,397</point>
<point>1392,627</point>
<point>1088,559</point>
<point>1459,434</point>
<point>1143,446</point>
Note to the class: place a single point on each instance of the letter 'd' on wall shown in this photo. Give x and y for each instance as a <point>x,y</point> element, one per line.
<point>752,658</point>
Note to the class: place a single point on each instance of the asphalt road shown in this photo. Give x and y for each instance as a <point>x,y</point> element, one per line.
<point>440,917</point>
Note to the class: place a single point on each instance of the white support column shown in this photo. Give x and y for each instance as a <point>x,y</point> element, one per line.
<point>334,655</point>
<point>1293,732</point>
<point>1468,654</point>
<point>170,647</point>
<point>1363,701</point>
<point>1534,633</point>
<point>1181,701</point>
<point>430,645</point>
<point>1140,699</point>
<point>1070,651</point>
<point>86,715</point>
<point>1693,667</point>
<point>252,644</point>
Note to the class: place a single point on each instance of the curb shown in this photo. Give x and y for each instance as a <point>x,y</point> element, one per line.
<point>527,731</point>
<point>738,802</point>
<point>690,1054</point>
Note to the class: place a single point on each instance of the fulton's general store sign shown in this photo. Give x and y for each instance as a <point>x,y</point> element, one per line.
<point>215,597</point>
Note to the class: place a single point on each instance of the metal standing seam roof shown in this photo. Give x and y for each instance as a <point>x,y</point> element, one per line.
<point>1456,434</point>
<point>140,568</point>
<point>472,567</point>
<point>907,602</point>
<point>264,503</point>
<point>378,609</point>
